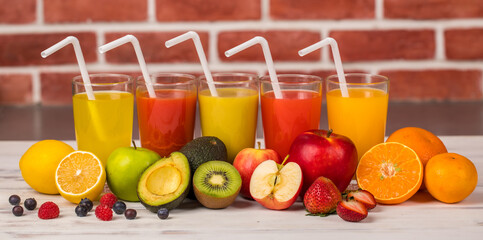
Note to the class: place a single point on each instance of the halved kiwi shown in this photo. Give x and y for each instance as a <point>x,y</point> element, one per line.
<point>216,184</point>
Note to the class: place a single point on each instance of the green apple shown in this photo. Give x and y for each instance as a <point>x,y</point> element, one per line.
<point>124,168</point>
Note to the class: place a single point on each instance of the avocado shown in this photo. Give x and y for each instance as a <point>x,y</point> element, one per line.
<point>201,150</point>
<point>166,183</point>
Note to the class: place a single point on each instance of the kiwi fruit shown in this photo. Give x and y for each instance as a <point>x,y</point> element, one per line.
<point>216,184</point>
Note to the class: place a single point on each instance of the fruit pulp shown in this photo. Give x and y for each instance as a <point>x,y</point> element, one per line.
<point>232,117</point>
<point>103,124</point>
<point>360,117</point>
<point>166,123</point>
<point>284,119</point>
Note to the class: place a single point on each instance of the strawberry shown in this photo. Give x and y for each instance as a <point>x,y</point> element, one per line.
<point>321,198</point>
<point>351,210</point>
<point>364,197</point>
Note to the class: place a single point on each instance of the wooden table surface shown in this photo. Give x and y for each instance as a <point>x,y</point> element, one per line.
<point>421,217</point>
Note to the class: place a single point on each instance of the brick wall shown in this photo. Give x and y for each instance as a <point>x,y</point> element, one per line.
<point>431,50</point>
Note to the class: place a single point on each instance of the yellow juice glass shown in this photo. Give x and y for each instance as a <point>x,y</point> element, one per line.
<point>232,115</point>
<point>103,124</point>
<point>362,115</point>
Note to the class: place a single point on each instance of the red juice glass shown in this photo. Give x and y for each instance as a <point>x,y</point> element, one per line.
<point>297,111</point>
<point>166,122</point>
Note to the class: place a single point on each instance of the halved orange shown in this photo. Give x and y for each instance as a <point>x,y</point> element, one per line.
<point>80,175</point>
<point>391,171</point>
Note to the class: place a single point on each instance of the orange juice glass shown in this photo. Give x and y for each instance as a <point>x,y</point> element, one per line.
<point>167,121</point>
<point>232,115</point>
<point>362,115</point>
<point>297,111</point>
<point>105,123</point>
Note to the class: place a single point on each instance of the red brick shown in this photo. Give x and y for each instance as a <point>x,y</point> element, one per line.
<point>284,45</point>
<point>61,11</point>
<point>464,43</point>
<point>444,84</point>
<point>15,89</point>
<point>56,88</point>
<point>152,44</point>
<point>373,45</point>
<point>24,49</point>
<point>433,9</point>
<point>18,11</point>
<point>320,73</point>
<point>207,10</point>
<point>316,9</point>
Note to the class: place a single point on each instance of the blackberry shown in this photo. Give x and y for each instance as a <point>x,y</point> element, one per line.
<point>81,211</point>
<point>119,207</point>
<point>17,211</point>
<point>130,214</point>
<point>87,203</point>
<point>30,203</point>
<point>163,213</point>
<point>14,200</point>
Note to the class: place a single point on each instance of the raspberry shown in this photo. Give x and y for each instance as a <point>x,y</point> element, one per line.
<point>108,199</point>
<point>104,212</point>
<point>48,210</point>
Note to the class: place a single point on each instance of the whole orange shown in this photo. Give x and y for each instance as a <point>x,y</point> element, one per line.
<point>422,141</point>
<point>450,177</point>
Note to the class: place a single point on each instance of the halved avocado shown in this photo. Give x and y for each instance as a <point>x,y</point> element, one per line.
<point>166,183</point>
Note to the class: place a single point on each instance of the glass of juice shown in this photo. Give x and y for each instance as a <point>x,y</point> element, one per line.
<point>362,115</point>
<point>296,111</point>
<point>103,124</point>
<point>232,115</point>
<point>166,122</point>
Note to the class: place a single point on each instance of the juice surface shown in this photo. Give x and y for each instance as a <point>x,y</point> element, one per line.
<point>232,117</point>
<point>103,124</point>
<point>284,119</point>
<point>166,123</point>
<point>360,117</point>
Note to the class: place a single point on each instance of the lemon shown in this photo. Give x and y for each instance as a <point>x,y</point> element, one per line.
<point>80,175</point>
<point>39,162</point>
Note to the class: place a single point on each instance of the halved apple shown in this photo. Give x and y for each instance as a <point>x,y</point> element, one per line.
<point>276,186</point>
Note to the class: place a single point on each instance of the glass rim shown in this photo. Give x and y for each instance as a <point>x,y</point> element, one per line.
<point>312,79</point>
<point>251,77</point>
<point>334,79</point>
<point>192,79</point>
<point>78,80</point>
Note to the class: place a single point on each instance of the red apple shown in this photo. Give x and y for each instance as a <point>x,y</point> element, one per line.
<point>276,186</point>
<point>247,160</point>
<point>323,153</point>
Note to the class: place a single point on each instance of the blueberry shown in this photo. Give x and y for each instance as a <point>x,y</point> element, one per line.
<point>30,203</point>
<point>163,213</point>
<point>14,200</point>
<point>119,207</point>
<point>87,203</point>
<point>17,211</point>
<point>130,214</point>
<point>81,211</point>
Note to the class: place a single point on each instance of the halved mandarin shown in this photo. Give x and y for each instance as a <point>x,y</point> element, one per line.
<point>391,171</point>
<point>80,175</point>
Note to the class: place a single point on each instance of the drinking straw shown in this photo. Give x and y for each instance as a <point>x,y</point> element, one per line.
<point>139,54</point>
<point>337,60</point>
<point>268,60</point>
<point>80,60</point>
<point>201,55</point>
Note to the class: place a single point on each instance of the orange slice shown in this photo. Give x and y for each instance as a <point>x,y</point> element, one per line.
<point>391,171</point>
<point>80,175</point>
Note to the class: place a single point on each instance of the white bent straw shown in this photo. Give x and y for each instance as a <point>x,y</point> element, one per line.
<point>80,60</point>
<point>139,54</point>
<point>268,59</point>
<point>201,55</point>
<point>337,60</point>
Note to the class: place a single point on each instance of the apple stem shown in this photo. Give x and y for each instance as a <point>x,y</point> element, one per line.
<point>134,143</point>
<point>259,145</point>
<point>281,165</point>
<point>329,133</point>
